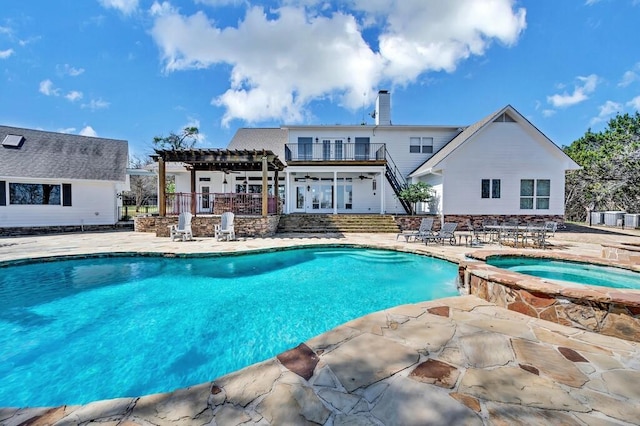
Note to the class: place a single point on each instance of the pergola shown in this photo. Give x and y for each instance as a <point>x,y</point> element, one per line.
<point>217,160</point>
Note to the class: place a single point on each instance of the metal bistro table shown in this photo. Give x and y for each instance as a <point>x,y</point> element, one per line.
<point>507,233</point>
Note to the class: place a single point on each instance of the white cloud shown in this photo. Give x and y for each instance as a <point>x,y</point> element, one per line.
<point>95,104</point>
<point>217,3</point>
<point>161,9</point>
<point>47,88</point>
<point>68,130</point>
<point>548,112</point>
<point>4,54</point>
<point>591,2</point>
<point>630,76</point>
<point>74,95</point>
<point>283,59</point>
<point>67,69</point>
<point>634,103</point>
<point>608,109</point>
<point>582,89</point>
<point>125,6</point>
<point>88,131</point>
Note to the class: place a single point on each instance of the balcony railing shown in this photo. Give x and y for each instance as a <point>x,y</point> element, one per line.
<point>217,203</point>
<point>334,151</point>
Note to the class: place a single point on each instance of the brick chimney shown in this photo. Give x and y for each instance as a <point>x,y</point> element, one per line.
<point>383,108</point>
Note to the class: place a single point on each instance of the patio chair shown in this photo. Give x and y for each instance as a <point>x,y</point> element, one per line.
<point>551,227</point>
<point>447,232</point>
<point>226,228</point>
<point>425,229</point>
<point>183,229</point>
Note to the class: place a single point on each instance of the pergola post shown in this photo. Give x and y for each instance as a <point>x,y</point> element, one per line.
<point>276,189</point>
<point>193,191</point>
<point>162,188</point>
<point>265,194</point>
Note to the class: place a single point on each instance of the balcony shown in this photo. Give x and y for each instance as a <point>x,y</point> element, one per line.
<point>335,152</point>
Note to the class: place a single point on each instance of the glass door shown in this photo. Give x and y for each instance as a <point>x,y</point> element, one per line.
<point>205,199</point>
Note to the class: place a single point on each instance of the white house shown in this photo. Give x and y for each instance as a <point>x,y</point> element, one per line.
<point>55,179</point>
<point>499,166</point>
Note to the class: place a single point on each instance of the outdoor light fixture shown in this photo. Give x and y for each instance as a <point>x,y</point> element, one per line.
<point>308,188</point>
<point>349,139</point>
<point>316,140</point>
<point>224,182</point>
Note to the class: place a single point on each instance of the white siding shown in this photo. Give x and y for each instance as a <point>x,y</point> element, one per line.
<point>396,140</point>
<point>93,203</point>
<point>508,152</point>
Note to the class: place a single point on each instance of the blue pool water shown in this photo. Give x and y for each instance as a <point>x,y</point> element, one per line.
<point>75,331</point>
<point>574,272</point>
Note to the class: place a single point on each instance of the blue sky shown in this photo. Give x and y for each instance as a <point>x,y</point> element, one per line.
<point>135,69</point>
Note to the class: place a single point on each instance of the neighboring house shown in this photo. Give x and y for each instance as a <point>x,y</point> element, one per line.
<point>499,166</point>
<point>53,179</point>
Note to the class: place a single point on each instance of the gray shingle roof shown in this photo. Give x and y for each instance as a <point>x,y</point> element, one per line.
<point>63,156</point>
<point>271,139</point>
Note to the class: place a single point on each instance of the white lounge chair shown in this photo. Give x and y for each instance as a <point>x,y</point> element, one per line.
<point>183,229</point>
<point>425,229</point>
<point>226,228</point>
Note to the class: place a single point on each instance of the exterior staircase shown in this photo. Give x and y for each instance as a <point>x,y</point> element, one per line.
<point>343,223</point>
<point>396,180</point>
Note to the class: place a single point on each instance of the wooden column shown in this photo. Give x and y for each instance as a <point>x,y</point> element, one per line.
<point>265,194</point>
<point>276,192</point>
<point>193,191</point>
<point>162,188</point>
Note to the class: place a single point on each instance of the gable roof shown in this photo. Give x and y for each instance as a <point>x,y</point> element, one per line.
<point>270,139</point>
<point>62,156</point>
<point>433,162</point>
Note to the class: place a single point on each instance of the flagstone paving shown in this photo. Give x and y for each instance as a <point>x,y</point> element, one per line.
<point>459,360</point>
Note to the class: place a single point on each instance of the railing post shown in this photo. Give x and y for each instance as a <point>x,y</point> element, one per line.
<point>162,187</point>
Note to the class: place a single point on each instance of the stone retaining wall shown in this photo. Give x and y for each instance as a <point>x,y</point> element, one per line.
<point>608,311</point>
<point>203,226</point>
<point>43,230</point>
<point>629,253</point>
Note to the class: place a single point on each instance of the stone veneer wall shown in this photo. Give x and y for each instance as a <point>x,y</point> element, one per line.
<point>612,312</point>
<point>203,226</point>
<point>413,222</point>
<point>42,230</point>
<point>629,253</point>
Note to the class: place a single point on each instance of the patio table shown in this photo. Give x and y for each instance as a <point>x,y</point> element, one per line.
<point>517,232</point>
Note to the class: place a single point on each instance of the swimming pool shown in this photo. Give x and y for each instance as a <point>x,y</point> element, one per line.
<point>75,331</point>
<point>573,272</point>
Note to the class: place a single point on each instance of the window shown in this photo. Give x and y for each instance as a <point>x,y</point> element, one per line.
<point>34,193</point>
<point>305,149</point>
<point>490,188</point>
<point>326,149</point>
<point>338,149</point>
<point>3,193</point>
<point>535,193</point>
<point>421,145</point>
<point>362,149</point>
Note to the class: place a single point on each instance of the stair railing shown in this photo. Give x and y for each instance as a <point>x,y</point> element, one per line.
<point>397,181</point>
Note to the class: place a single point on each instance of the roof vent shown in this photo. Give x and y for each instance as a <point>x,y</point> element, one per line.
<point>13,141</point>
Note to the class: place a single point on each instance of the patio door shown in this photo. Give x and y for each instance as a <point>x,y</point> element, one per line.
<point>313,198</point>
<point>205,203</point>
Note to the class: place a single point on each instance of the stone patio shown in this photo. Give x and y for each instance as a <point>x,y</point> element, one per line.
<point>460,360</point>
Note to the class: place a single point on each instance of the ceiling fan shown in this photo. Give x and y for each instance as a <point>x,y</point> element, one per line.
<point>311,177</point>
<point>227,171</point>
<point>363,177</point>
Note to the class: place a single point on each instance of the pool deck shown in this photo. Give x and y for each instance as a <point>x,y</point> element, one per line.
<point>459,360</point>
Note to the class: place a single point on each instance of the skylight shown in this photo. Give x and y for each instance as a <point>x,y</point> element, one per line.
<point>13,141</point>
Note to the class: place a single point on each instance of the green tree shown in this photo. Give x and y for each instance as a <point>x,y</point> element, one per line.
<point>185,140</point>
<point>610,174</point>
<point>414,193</point>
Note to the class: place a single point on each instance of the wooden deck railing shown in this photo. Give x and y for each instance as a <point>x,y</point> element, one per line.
<point>218,203</point>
